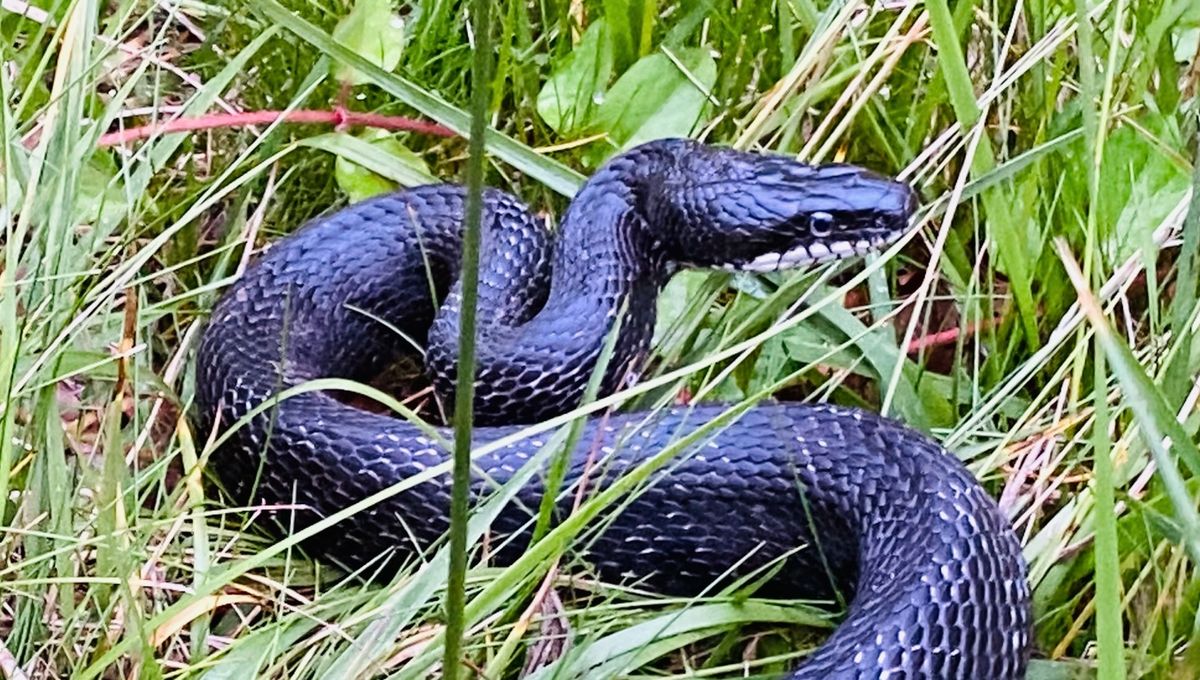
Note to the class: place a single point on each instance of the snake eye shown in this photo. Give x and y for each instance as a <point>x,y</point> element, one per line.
<point>820,224</point>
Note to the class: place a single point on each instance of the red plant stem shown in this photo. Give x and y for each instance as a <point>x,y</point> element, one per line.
<point>339,118</point>
<point>947,336</point>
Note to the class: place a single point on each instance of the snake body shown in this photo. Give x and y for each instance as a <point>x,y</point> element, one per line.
<point>848,500</point>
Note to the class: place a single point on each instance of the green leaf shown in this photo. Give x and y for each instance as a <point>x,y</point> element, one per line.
<point>373,163</point>
<point>658,97</point>
<point>619,14</point>
<point>918,401</point>
<point>1045,669</point>
<point>102,195</point>
<point>806,344</point>
<point>568,99</point>
<point>375,33</point>
<point>1141,187</point>
<point>257,649</point>
<point>675,300</point>
<point>1185,44</point>
<point>771,365</point>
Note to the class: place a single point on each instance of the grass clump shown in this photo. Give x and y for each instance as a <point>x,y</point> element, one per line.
<point>1042,323</point>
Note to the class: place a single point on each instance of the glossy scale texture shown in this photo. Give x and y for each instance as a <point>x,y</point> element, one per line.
<point>857,503</point>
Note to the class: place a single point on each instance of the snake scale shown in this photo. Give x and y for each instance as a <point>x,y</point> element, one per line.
<point>850,501</point>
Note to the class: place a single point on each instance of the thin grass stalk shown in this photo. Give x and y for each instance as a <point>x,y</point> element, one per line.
<point>464,398</point>
<point>1091,142</point>
<point>1109,626</point>
<point>1108,568</point>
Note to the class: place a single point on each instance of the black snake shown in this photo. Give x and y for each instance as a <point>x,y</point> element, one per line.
<point>939,583</point>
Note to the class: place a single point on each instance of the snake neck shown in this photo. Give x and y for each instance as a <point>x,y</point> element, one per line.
<point>604,275</point>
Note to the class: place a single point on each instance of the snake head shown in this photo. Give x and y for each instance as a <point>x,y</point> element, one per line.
<point>757,212</point>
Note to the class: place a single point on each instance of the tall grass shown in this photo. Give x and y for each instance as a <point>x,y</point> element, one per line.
<point>1042,322</point>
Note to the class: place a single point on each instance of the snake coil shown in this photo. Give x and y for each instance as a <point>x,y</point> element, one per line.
<point>846,499</point>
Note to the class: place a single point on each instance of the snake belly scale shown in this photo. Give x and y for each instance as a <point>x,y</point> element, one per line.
<point>848,499</point>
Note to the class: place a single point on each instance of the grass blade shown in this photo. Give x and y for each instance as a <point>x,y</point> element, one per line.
<point>1011,246</point>
<point>464,396</point>
<point>1162,433</point>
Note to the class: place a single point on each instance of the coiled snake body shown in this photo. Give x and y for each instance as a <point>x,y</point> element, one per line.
<point>847,498</point>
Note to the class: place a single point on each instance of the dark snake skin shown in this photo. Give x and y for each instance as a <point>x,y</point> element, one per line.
<point>938,581</point>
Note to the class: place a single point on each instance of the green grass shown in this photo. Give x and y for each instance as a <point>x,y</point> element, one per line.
<point>1054,144</point>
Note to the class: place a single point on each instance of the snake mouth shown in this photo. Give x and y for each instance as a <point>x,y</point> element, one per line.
<point>818,252</point>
